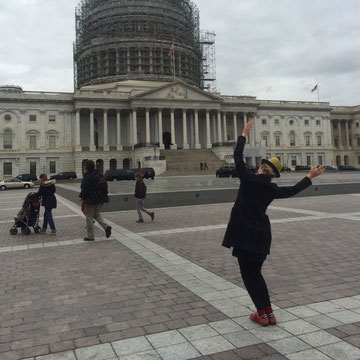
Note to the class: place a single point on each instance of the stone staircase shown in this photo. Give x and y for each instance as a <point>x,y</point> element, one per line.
<point>187,162</point>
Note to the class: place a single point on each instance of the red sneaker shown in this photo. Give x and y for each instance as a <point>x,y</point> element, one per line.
<point>262,320</point>
<point>272,319</point>
<point>271,316</point>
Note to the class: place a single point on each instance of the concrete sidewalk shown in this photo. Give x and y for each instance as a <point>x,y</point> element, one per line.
<point>168,290</point>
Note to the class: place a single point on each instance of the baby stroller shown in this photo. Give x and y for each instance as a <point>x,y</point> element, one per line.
<point>28,216</point>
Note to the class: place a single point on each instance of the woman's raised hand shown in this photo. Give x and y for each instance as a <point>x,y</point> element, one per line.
<point>316,171</point>
<point>247,128</point>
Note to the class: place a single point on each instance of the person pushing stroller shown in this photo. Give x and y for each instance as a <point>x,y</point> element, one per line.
<point>248,232</point>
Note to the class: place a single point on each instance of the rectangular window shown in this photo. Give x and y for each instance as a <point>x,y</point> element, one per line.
<point>293,160</point>
<point>308,160</point>
<point>52,141</point>
<point>264,121</point>
<point>307,140</point>
<point>320,160</point>
<point>7,140</point>
<point>318,140</point>
<point>52,118</point>
<point>32,117</point>
<point>32,167</point>
<point>265,140</point>
<point>357,124</point>
<point>8,169</point>
<point>277,121</point>
<point>32,142</point>
<point>277,140</point>
<point>317,122</point>
<point>358,141</point>
<point>306,122</point>
<point>52,166</point>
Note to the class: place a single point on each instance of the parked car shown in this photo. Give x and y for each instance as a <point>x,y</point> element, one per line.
<point>15,184</point>
<point>226,170</point>
<point>148,173</point>
<point>27,177</point>
<point>64,175</point>
<point>302,168</point>
<point>346,168</point>
<point>330,168</point>
<point>119,174</point>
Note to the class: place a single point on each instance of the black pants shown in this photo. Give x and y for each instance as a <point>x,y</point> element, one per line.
<point>255,283</point>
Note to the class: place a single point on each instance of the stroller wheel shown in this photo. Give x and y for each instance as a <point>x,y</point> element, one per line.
<point>27,231</point>
<point>13,231</point>
<point>37,229</point>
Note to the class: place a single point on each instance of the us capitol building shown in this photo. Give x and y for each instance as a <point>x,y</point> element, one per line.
<point>144,76</point>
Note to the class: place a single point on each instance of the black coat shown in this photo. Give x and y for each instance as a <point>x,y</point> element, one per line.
<point>88,186</point>
<point>140,189</point>
<point>249,227</point>
<point>47,193</point>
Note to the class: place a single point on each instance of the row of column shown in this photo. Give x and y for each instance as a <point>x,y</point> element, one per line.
<point>221,132</point>
<point>347,133</point>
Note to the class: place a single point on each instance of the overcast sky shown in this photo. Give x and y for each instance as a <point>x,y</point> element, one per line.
<point>270,49</point>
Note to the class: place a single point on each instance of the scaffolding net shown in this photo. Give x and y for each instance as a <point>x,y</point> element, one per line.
<point>130,39</point>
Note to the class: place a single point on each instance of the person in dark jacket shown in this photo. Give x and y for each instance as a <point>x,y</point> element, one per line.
<point>92,202</point>
<point>248,232</point>
<point>140,195</point>
<point>48,201</point>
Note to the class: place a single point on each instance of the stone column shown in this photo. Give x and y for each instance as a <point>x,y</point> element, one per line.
<point>134,127</point>
<point>208,131</point>
<point>92,131</point>
<point>118,130</point>
<point>22,133</point>
<point>173,144</point>
<point>225,127</point>
<point>235,127</point>
<point>332,133</point>
<point>43,137</point>
<point>219,126</point>
<point>245,122</point>
<point>347,130</point>
<point>147,121</point>
<point>185,137</point>
<point>77,131</point>
<point>213,125</point>
<point>106,136</point>
<point>160,129</point>
<point>197,142</point>
<point>339,133</point>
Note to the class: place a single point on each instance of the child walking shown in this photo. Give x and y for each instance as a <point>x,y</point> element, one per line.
<point>140,195</point>
<point>48,201</point>
<point>249,232</point>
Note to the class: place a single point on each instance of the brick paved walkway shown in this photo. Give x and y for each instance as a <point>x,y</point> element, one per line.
<point>151,293</point>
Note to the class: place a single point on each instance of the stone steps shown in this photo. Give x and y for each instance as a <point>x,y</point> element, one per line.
<point>189,160</point>
<point>188,173</point>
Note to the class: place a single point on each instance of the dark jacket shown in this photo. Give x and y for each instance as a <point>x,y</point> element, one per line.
<point>88,186</point>
<point>249,227</point>
<point>140,189</point>
<point>47,193</point>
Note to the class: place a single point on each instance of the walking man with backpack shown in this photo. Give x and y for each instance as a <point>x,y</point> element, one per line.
<point>94,193</point>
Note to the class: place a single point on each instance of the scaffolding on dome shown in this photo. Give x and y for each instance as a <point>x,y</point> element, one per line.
<point>208,51</point>
<point>130,39</point>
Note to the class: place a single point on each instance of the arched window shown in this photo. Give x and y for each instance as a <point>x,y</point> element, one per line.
<point>8,139</point>
<point>292,138</point>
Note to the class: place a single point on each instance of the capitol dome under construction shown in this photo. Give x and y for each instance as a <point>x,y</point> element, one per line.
<point>131,39</point>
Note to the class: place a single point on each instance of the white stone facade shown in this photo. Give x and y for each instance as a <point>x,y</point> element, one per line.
<point>126,124</point>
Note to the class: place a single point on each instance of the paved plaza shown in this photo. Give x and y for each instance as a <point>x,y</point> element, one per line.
<point>168,290</point>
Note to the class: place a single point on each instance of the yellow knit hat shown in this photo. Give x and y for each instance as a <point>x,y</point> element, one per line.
<point>275,164</point>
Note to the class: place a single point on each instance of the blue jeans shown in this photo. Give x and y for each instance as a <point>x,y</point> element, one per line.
<point>48,219</point>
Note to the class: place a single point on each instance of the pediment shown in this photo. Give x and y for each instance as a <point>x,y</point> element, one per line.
<point>177,91</point>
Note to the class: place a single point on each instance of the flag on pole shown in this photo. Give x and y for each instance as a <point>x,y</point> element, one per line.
<point>172,47</point>
<point>314,88</point>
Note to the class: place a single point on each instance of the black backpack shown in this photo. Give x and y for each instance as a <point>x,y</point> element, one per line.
<point>101,189</point>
